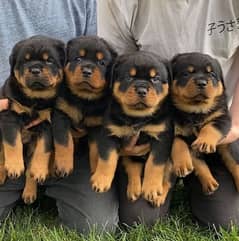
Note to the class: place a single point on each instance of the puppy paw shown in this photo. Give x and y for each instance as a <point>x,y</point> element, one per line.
<point>14,170</point>
<point>160,200</point>
<point>134,191</point>
<point>151,190</point>
<point>183,169</point>
<point>205,146</point>
<point>39,175</point>
<point>100,183</point>
<point>63,166</point>
<point>209,186</point>
<point>29,196</point>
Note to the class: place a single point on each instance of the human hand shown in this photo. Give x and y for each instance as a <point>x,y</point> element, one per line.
<point>134,150</point>
<point>232,136</point>
<point>4,104</point>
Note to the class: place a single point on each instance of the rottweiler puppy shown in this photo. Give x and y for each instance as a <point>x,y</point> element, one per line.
<point>82,98</point>
<point>201,118</point>
<point>139,110</point>
<point>35,75</point>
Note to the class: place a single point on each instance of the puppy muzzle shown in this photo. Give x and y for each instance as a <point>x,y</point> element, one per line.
<point>141,88</point>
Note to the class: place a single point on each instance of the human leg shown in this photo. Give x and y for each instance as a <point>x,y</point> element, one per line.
<point>140,211</point>
<point>10,193</point>
<point>220,208</point>
<point>79,207</point>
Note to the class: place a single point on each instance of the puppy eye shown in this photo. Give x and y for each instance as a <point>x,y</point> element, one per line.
<point>156,79</point>
<point>129,79</point>
<point>185,74</point>
<point>78,59</point>
<point>101,62</point>
<point>50,61</point>
<point>213,74</point>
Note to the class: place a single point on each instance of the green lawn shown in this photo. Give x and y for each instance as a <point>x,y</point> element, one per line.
<point>28,223</point>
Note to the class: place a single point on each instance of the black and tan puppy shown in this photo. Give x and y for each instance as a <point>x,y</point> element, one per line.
<point>36,72</point>
<point>201,117</point>
<point>82,98</point>
<point>138,108</point>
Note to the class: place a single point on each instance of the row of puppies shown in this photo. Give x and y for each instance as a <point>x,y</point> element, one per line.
<point>180,110</point>
<point>49,82</point>
<point>139,108</point>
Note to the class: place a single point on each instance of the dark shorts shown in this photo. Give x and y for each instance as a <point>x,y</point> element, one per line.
<point>81,208</point>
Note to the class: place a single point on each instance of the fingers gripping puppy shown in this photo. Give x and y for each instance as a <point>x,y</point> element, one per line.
<point>36,72</point>
<point>201,116</point>
<point>139,107</point>
<point>82,99</point>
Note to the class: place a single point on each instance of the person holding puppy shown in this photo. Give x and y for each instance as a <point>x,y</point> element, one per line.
<point>168,28</point>
<point>78,206</point>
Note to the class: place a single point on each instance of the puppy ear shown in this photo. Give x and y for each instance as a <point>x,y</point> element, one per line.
<point>168,66</point>
<point>110,48</point>
<point>112,65</point>
<point>112,73</point>
<point>68,48</point>
<point>13,55</point>
<point>61,49</point>
<point>218,69</point>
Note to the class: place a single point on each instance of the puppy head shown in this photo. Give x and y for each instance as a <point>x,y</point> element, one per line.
<point>140,83</point>
<point>197,82</point>
<point>89,62</point>
<point>37,65</point>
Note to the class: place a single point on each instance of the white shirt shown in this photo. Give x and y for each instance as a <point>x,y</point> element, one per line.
<point>169,27</point>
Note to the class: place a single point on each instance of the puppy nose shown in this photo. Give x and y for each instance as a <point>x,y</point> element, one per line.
<point>35,71</point>
<point>87,72</point>
<point>142,91</point>
<point>201,83</point>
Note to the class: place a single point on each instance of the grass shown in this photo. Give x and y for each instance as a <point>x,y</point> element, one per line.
<point>40,224</point>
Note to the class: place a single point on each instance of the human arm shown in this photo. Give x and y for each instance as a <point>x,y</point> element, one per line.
<point>234,110</point>
<point>115,21</point>
<point>91,25</point>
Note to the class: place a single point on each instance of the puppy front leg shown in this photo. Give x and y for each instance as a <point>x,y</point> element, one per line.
<point>134,172</point>
<point>167,184</point>
<point>209,183</point>
<point>39,164</point>
<point>63,144</point>
<point>3,173</point>
<point>103,176</point>
<point>153,179</point>
<point>93,139</point>
<point>29,194</point>
<point>182,161</point>
<point>12,145</point>
<point>207,139</point>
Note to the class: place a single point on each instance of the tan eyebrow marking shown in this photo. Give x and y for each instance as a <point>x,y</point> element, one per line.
<point>99,55</point>
<point>190,69</point>
<point>209,68</point>
<point>152,72</point>
<point>45,56</point>
<point>132,71</point>
<point>27,56</point>
<point>82,52</point>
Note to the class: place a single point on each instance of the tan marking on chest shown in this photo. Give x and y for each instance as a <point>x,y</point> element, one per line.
<point>20,109</point>
<point>184,131</point>
<point>121,131</point>
<point>93,121</point>
<point>154,130</point>
<point>71,111</point>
